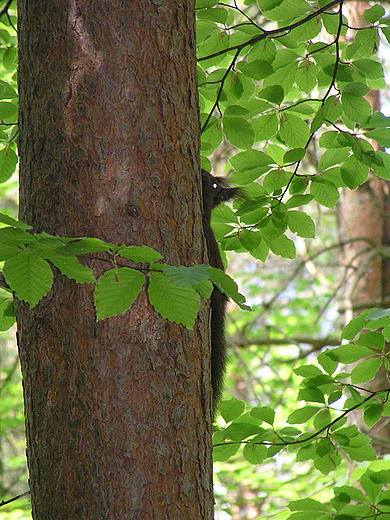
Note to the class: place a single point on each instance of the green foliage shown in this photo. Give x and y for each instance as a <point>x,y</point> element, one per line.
<point>173,290</point>
<point>291,85</point>
<point>275,78</point>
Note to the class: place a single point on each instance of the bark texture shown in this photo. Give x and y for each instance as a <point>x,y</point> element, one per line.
<point>117,412</point>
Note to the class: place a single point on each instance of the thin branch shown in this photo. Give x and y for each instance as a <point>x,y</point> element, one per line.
<point>273,32</point>
<point>5,502</point>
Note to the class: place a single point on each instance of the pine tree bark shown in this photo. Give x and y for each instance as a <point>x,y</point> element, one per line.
<point>117,411</point>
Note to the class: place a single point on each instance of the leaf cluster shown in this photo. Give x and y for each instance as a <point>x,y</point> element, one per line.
<point>269,93</point>
<point>173,291</point>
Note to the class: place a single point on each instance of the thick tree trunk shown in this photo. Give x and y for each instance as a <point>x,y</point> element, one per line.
<point>117,412</point>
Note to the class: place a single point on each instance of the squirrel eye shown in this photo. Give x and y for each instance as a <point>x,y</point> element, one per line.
<point>215,185</point>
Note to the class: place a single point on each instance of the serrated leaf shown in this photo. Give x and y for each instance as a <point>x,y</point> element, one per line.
<point>116,290</point>
<point>177,304</point>
<point>28,276</point>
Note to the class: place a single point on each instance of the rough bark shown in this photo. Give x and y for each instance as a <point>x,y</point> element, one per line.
<point>117,411</point>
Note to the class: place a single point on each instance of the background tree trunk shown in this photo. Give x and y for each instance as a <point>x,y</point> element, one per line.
<point>117,412</point>
<point>364,214</point>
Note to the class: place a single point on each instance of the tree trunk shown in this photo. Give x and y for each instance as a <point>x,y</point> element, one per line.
<point>364,215</point>
<point>117,411</point>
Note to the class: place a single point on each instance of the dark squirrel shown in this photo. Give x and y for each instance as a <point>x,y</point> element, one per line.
<point>215,191</point>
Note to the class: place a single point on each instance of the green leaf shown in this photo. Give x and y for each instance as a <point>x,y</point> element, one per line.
<point>349,353</point>
<point>295,155</point>
<point>238,132</point>
<point>9,221</point>
<point>360,454</point>
<point>257,69</point>
<point>249,160</point>
<point>298,200</point>
<point>307,504</point>
<point>81,246</point>
<point>366,370</point>
<point>311,394</point>
<point>177,304</point>
<point>255,453</point>
<point>301,224</point>
<point>8,161</point>
<point>186,276</point>
<point>8,112</point>
<point>28,276</point>
<point>373,14</point>
<point>356,108</point>
<point>302,415</point>
<point>282,246</point>
<point>116,290</point>
<point>372,414</point>
<point>308,371</point>
<point>7,313</point>
<point>265,413</point>
<point>306,76</point>
<point>381,165</point>
<point>355,326</point>
<point>265,126</point>
<point>325,192</point>
<point>381,136</point>
<point>273,93</point>
<point>71,268</point>
<point>228,286</point>
<point>224,451</point>
<point>143,254</point>
<point>294,131</point>
<point>353,172</point>
<point>231,409</point>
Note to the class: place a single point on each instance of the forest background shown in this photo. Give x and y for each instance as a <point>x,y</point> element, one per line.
<point>287,91</point>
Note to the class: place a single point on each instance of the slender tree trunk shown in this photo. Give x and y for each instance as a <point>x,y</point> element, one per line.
<point>117,411</point>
